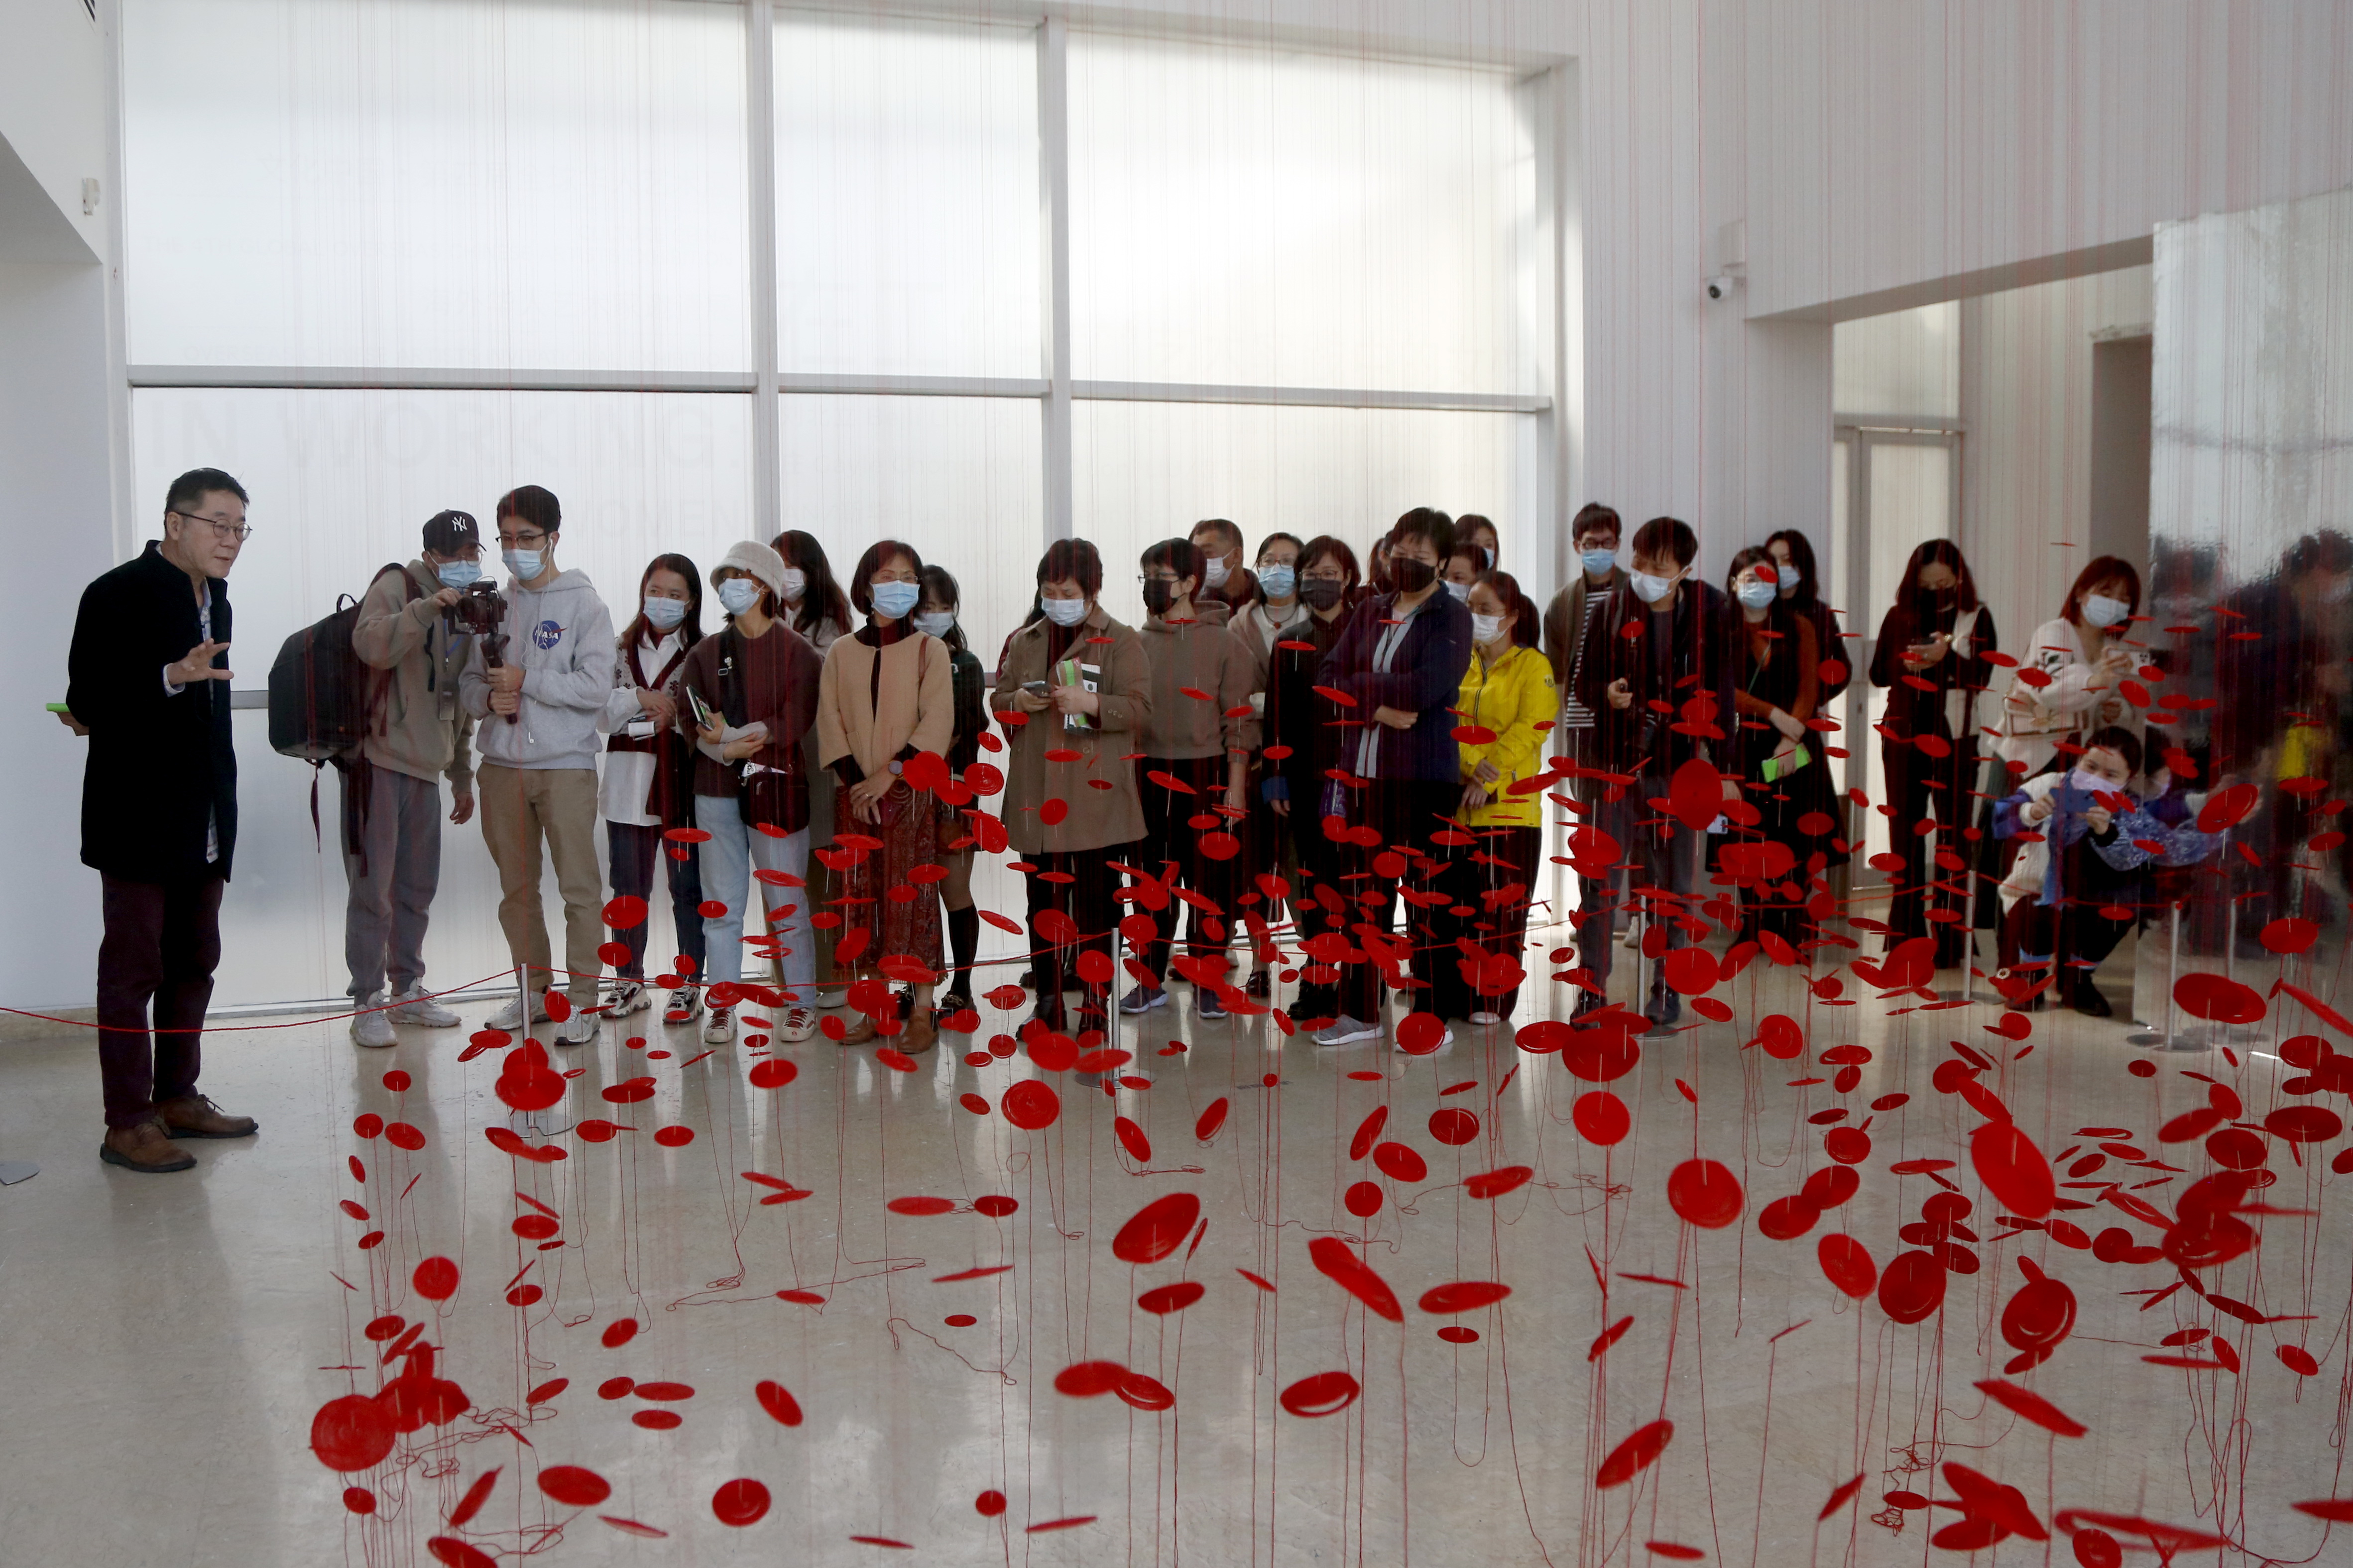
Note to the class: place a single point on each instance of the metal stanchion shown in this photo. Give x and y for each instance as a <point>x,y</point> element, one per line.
<point>2163,1037</point>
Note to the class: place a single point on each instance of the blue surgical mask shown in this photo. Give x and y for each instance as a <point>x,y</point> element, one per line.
<point>893,600</point>
<point>1756,594</point>
<point>1064,612</point>
<point>1461,591</point>
<point>938,624</point>
<point>1650,589</point>
<point>458,574</point>
<point>1279,581</point>
<point>738,595</point>
<point>526,564</point>
<point>1597,562</point>
<point>664,614</point>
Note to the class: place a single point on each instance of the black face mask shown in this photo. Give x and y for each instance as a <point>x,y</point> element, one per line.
<point>1158,596</point>
<point>1411,576</point>
<point>1320,592</point>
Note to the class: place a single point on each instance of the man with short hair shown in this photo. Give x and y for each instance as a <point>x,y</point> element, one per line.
<point>392,789</point>
<point>1228,587</point>
<point>539,705</point>
<point>1594,533</point>
<point>148,680</point>
<point>1657,675</point>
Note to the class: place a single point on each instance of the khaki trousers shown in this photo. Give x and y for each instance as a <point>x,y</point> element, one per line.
<point>520,805</point>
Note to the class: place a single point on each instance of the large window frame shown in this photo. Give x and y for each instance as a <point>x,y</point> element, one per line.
<point>1550,89</point>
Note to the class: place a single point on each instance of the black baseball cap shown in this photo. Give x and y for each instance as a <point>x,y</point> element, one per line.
<point>451,531</point>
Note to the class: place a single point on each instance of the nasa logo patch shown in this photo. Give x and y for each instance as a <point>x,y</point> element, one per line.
<point>545,634</point>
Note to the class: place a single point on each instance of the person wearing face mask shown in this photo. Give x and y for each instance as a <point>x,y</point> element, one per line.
<point>1776,682</point>
<point>2084,839</point>
<point>751,694</point>
<point>886,698</point>
<point>1931,659</point>
<point>538,714</point>
<point>1302,746</point>
<point>1479,532</point>
<point>936,617</point>
<point>813,605</point>
<point>1400,666</point>
<point>1277,613</point>
<point>1462,569</point>
<point>1203,748</point>
<point>1594,533</point>
<point>1508,696</point>
<point>648,785</point>
<point>1228,587</point>
<point>1077,685</point>
<point>2082,657</point>
<point>392,789</point>
<point>1668,640</point>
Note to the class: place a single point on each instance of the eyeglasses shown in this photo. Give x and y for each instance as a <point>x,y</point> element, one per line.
<point>228,528</point>
<point>1162,577</point>
<point>522,541</point>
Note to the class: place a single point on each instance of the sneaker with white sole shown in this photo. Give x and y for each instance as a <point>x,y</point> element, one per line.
<point>370,1026</point>
<point>1209,1005</point>
<point>832,997</point>
<point>509,1017</point>
<point>1445,1038</point>
<point>580,1029</point>
<point>1141,999</point>
<point>1484,1019</point>
<point>719,1026</point>
<point>416,1005</point>
<point>799,1023</point>
<point>628,996</point>
<point>683,1006</point>
<point>1346,1031</point>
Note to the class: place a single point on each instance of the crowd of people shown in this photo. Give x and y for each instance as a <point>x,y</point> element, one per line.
<point>1331,771</point>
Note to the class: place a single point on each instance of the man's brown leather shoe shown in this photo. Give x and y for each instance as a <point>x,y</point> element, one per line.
<point>194,1116</point>
<point>145,1149</point>
<point>861,1032</point>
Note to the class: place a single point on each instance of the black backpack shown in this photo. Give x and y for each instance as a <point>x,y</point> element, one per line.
<point>322,699</point>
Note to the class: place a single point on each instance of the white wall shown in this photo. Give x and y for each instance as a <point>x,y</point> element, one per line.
<point>54,109</point>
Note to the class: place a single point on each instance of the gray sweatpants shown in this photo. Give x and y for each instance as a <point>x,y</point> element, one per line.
<point>397,839</point>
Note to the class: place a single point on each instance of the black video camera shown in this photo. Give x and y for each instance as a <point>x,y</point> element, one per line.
<point>481,611</point>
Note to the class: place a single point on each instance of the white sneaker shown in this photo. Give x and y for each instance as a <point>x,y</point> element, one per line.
<point>580,1029</point>
<point>799,1025</point>
<point>1484,1019</point>
<point>628,996</point>
<point>832,998</point>
<point>509,1017</point>
<point>416,1006</point>
<point>719,1026</point>
<point>371,1027</point>
<point>682,1005</point>
<point>1346,1031</point>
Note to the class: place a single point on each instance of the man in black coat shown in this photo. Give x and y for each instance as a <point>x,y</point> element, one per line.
<point>148,679</point>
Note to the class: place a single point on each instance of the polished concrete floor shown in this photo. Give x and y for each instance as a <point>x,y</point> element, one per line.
<point>166,1343</point>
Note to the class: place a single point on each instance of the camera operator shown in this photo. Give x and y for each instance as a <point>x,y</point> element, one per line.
<point>411,628</point>
<point>539,685</point>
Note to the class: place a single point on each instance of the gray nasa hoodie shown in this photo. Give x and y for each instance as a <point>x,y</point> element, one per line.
<point>562,636</point>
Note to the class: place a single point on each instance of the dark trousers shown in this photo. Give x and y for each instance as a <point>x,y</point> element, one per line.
<point>1319,901</point>
<point>1091,898</point>
<point>1171,852</point>
<point>1494,901</point>
<point>1405,812</point>
<point>392,865</point>
<point>633,849</point>
<point>162,944</point>
<point>1920,786</point>
<point>1657,851</point>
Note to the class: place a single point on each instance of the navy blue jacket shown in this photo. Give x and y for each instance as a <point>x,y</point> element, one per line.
<point>1425,678</point>
<point>159,766</point>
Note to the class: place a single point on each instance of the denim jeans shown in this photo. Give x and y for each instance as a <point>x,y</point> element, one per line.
<point>728,857</point>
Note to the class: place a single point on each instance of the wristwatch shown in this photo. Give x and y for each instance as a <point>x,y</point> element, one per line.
<point>896,767</point>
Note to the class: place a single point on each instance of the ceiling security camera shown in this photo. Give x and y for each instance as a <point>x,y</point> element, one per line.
<point>1720,286</point>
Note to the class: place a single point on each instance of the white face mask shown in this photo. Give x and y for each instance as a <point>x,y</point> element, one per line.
<point>1064,612</point>
<point>1650,589</point>
<point>938,624</point>
<point>795,584</point>
<point>2092,783</point>
<point>2102,611</point>
<point>1461,591</point>
<point>1485,629</point>
<point>1214,574</point>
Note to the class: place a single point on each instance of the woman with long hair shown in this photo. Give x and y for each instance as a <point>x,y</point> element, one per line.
<point>1777,680</point>
<point>937,616</point>
<point>2078,658</point>
<point>648,785</point>
<point>1508,701</point>
<point>1075,695</point>
<point>1931,661</point>
<point>887,697</point>
<point>813,605</point>
<point>1271,616</point>
<point>1812,792</point>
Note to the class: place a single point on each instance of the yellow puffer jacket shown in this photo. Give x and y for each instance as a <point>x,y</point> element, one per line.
<point>1511,698</point>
